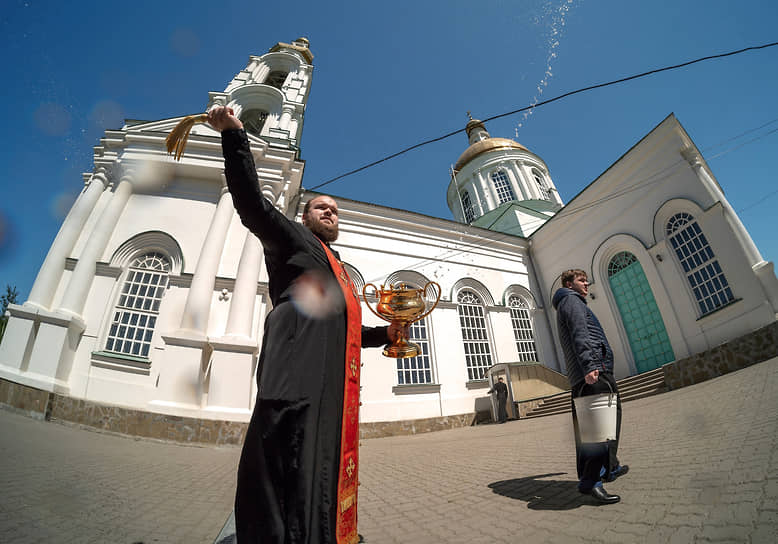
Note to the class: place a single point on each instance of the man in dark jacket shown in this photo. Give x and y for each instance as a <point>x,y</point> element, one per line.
<point>297,478</point>
<point>589,361</point>
<point>501,393</point>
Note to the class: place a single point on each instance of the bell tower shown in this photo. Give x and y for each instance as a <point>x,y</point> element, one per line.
<point>269,95</point>
<point>499,184</point>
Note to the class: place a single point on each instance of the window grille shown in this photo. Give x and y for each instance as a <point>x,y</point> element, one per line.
<point>135,315</point>
<point>472,320</point>
<point>522,328</point>
<point>621,261</point>
<point>702,269</point>
<point>467,206</point>
<point>416,369</point>
<point>502,186</point>
<point>542,186</point>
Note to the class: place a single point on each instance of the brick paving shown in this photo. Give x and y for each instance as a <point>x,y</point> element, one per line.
<point>703,462</point>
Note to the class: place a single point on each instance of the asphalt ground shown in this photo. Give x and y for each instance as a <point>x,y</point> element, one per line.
<point>703,468</point>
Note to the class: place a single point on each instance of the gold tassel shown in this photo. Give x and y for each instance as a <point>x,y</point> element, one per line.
<point>176,140</point>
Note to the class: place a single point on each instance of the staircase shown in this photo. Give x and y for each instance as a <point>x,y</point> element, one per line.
<point>632,388</point>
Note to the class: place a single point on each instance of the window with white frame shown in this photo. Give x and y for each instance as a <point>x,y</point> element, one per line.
<point>416,370</point>
<point>522,328</point>
<point>467,207</point>
<point>710,287</point>
<point>472,320</point>
<point>542,185</point>
<point>502,186</point>
<point>135,315</point>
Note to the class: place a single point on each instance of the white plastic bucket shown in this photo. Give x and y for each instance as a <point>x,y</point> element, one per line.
<point>596,416</point>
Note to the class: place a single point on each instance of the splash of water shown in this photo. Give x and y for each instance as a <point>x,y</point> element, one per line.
<point>556,16</point>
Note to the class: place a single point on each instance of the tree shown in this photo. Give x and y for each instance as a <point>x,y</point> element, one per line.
<point>10,297</point>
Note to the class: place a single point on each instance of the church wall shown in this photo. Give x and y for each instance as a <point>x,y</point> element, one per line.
<point>626,202</point>
<point>379,242</point>
<point>186,220</point>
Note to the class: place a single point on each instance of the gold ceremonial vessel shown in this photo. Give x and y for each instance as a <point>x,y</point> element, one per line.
<point>403,305</point>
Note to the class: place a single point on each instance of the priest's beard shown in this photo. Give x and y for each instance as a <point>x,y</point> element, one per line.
<point>327,232</point>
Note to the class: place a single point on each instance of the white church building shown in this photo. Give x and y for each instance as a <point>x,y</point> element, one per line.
<point>153,295</point>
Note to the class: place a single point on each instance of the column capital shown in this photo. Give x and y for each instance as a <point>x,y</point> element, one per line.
<point>692,156</point>
<point>100,174</point>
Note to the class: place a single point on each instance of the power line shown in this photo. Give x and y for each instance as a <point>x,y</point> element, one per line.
<point>543,103</point>
<point>565,212</point>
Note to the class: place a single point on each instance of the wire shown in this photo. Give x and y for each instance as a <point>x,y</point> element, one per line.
<point>543,103</point>
<point>652,178</point>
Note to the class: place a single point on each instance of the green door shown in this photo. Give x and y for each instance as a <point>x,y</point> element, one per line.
<point>639,313</point>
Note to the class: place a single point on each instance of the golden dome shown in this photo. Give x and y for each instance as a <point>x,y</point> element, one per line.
<point>484,146</point>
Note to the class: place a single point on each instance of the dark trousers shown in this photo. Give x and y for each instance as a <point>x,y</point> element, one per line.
<point>591,458</point>
<point>502,413</point>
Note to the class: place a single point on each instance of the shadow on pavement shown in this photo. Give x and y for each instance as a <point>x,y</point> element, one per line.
<point>542,494</point>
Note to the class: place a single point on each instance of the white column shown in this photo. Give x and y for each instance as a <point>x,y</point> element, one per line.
<point>532,184</point>
<point>198,302</point>
<point>244,295</point>
<point>260,72</point>
<point>286,116</point>
<point>752,253</point>
<point>479,206</point>
<point>490,195</point>
<point>253,63</point>
<point>81,279</point>
<point>53,266</point>
<point>520,181</point>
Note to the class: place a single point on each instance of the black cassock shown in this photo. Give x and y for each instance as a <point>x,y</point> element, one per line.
<point>288,473</point>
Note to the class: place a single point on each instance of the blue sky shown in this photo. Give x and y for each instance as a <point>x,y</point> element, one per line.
<point>388,75</point>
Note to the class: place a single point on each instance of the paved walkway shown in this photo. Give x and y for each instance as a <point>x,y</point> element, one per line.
<point>704,467</point>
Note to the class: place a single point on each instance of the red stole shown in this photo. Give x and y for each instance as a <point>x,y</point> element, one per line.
<point>346,519</point>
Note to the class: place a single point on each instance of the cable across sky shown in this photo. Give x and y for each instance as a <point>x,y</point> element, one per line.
<point>543,103</point>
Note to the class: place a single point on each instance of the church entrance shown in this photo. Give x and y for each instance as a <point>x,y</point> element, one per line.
<point>639,313</point>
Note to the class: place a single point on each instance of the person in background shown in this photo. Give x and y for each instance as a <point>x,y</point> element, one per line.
<point>501,392</point>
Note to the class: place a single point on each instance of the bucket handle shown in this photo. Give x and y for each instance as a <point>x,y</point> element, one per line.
<point>610,399</point>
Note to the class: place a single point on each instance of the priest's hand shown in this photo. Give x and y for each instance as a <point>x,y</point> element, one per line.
<point>396,329</point>
<point>223,118</point>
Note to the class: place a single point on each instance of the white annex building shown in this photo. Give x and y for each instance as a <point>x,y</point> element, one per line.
<point>153,294</point>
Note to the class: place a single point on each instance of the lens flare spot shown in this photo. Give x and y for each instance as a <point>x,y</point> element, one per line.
<point>107,114</point>
<point>317,295</point>
<point>185,42</point>
<point>52,119</point>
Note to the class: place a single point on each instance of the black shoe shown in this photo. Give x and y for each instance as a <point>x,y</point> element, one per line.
<point>600,495</point>
<point>622,470</point>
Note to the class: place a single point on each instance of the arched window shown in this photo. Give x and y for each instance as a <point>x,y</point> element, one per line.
<point>542,186</point>
<point>276,78</point>
<point>702,269</point>
<point>253,120</point>
<point>416,369</point>
<point>472,320</point>
<point>467,207</point>
<point>135,315</point>
<point>522,328</point>
<point>502,186</point>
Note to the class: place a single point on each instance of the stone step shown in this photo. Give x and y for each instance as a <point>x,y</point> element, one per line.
<point>631,388</point>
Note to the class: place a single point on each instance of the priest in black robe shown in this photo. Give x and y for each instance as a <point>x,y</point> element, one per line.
<point>288,477</point>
